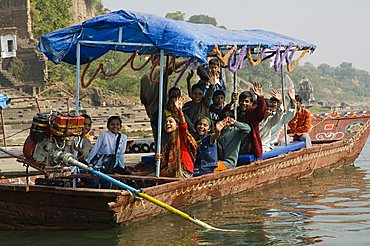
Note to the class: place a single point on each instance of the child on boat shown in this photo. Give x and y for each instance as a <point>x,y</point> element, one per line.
<point>252,115</point>
<point>300,125</point>
<point>271,118</point>
<point>217,108</point>
<point>199,105</point>
<point>180,150</point>
<point>205,72</point>
<point>109,149</point>
<point>288,115</point>
<point>229,141</point>
<point>206,159</point>
<point>83,146</point>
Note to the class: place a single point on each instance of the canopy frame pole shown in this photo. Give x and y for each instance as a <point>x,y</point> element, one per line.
<point>120,31</point>
<point>235,89</point>
<point>160,106</point>
<point>3,126</point>
<point>283,101</point>
<point>78,73</point>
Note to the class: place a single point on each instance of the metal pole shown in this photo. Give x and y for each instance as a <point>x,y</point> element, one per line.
<point>78,64</point>
<point>160,106</point>
<point>3,126</point>
<point>69,159</point>
<point>235,89</point>
<point>283,98</point>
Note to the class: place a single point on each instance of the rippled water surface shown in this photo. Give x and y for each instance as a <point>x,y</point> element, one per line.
<point>329,208</point>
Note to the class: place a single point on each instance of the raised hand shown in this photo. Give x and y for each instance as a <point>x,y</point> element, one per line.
<point>219,126</point>
<point>231,121</point>
<point>178,103</point>
<point>276,94</point>
<point>257,89</point>
<point>291,96</point>
<point>190,75</point>
<point>234,97</point>
<point>212,79</point>
<point>291,93</point>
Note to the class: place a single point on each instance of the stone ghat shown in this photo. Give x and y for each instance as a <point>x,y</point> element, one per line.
<point>18,119</point>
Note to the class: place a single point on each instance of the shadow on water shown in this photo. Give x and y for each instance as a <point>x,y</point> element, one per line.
<point>331,207</point>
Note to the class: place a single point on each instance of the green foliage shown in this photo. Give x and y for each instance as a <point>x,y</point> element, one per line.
<point>49,15</point>
<point>61,73</point>
<point>335,84</point>
<point>203,19</point>
<point>178,15</point>
<point>96,6</point>
<point>18,69</point>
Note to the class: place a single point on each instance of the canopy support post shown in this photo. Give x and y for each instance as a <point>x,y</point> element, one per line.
<point>235,89</point>
<point>78,64</point>
<point>283,98</point>
<point>120,29</point>
<point>160,106</point>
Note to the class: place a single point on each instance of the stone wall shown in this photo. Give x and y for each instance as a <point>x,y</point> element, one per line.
<point>81,10</point>
<point>16,13</point>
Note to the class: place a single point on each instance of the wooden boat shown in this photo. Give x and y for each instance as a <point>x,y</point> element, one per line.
<point>329,127</point>
<point>53,207</point>
<point>38,206</point>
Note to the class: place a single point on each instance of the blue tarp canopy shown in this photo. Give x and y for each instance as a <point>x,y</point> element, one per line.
<point>177,38</point>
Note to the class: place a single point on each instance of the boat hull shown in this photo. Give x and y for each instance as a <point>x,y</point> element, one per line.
<point>24,207</point>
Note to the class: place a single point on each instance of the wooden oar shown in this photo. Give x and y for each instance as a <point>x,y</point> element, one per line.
<point>69,159</point>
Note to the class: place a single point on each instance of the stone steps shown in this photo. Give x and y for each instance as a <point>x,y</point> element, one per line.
<point>133,117</point>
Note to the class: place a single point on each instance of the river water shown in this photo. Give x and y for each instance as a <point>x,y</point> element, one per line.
<point>330,207</point>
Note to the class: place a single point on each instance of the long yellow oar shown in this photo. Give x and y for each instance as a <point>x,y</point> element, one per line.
<point>70,160</point>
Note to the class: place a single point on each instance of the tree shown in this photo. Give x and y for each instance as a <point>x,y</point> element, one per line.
<point>203,19</point>
<point>49,15</point>
<point>325,70</point>
<point>178,15</point>
<point>344,71</point>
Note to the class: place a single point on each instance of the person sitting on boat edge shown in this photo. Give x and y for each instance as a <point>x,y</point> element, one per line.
<point>271,118</point>
<point>217,108</point>
<point>229,141</point>
<point>179,152</point>
<point>206,159</point>
<point>83,146</point>
<point>107,155</point>
<point>300,125</point>
<point>252,115</point>
<point>277,131</point>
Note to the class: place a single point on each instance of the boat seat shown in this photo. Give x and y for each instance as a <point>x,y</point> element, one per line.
<point>148,159</point>
<point>250,158</point>
<point>273,153</point>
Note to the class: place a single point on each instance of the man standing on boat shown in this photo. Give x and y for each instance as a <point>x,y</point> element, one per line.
<point>300,125</point>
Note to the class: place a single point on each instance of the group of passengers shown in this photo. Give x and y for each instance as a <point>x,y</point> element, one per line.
<point>203,135</point>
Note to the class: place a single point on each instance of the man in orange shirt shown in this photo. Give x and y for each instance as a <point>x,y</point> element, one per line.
<point>300,125</point>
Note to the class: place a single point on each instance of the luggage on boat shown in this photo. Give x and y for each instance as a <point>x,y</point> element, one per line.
<point>67,125</point>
